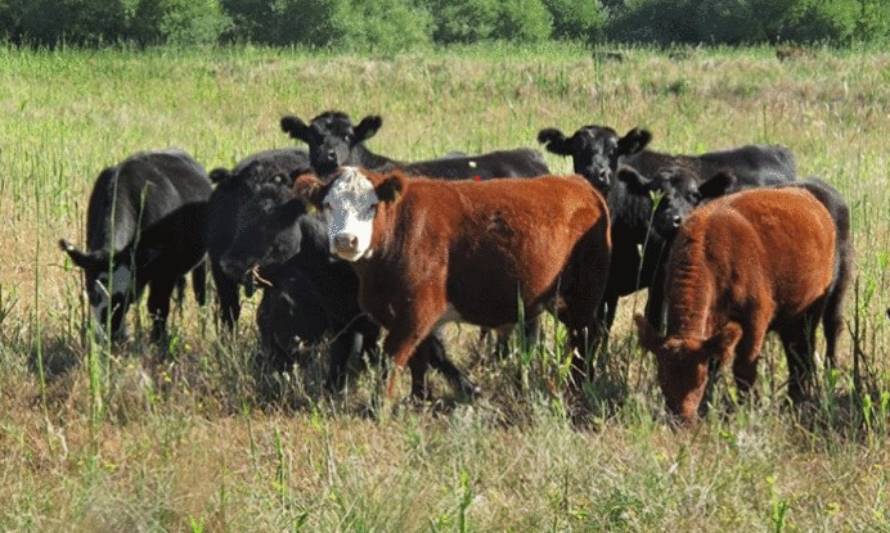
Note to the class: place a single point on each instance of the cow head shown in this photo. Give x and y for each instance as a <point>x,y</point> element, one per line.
<point>331,137</point>
<point>351,201</point>
<point>110,286</point>
<point>595,150</point>
<point>683,363</point>
<point>268,231</point>
<point>677,192</point>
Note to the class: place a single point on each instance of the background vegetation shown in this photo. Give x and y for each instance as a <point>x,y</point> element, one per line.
<point>385,26</point>
<point>196,436</point>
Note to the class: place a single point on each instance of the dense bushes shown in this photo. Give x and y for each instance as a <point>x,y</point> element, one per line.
<point>389,25</point>
<point>750,21</point>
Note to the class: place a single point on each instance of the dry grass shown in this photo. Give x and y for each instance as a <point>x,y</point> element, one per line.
<point>200,440</point>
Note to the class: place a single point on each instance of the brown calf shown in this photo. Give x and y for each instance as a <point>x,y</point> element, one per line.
<point>429,251</point>
<point>747,263</point>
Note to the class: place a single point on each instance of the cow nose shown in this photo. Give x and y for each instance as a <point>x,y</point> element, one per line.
<point>677,220</point>
<point>346,242</point>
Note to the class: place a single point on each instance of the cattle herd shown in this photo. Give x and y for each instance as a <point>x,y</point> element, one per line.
<point>346,243</point>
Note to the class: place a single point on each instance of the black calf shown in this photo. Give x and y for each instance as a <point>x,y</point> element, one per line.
<point>145,227</point>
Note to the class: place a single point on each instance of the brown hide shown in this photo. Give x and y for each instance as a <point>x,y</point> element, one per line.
<point>742,265</point>
<point>478,247</point>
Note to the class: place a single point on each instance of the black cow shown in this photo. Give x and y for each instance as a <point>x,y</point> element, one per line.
<point>234,188</point>
<point>145,226</point>
<point>598,153</point>
<point>279,243</point>
<point>334,141</point>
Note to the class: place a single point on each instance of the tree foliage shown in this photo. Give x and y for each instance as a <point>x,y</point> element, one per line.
<point>391,25</point>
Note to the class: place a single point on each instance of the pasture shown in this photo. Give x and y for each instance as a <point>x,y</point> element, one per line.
<point>194,437</point>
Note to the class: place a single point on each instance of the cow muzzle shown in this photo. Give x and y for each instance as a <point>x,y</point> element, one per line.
<point>345,244</point>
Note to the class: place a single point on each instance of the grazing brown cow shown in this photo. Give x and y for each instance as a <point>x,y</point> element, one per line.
<point>429,251</point>
<point>741,265</point>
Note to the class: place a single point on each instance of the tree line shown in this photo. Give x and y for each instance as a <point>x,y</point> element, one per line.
<point>392,25</point>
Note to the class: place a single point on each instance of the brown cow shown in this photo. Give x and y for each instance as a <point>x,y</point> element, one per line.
<point>430,251</point>
<point>750,262</point>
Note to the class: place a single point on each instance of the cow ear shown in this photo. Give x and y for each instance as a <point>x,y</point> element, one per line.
<point>636,182</point>
<point>309,188</point>
<point>390,189</point>
<point>722,344</point>
<point>367,128</point>
<point>296,128</point>
<point>219,175</point>
<point>634,141</point>
<point>717,185</point>
<point>649,338</point>
<point>83,260</point>
<point>555,141</point>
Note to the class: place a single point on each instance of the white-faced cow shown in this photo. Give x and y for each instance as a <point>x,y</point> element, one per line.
<point>145,227</point>
<point>430,251</point>
<point>309,295</point>
<point>233,189</point>
<point>598,152</point>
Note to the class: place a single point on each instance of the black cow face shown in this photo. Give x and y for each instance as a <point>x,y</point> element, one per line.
<point>331,137</point>
<point>109,287</point>
<point>595,150</point>
<point>676,191</point>
<point>268,233</point>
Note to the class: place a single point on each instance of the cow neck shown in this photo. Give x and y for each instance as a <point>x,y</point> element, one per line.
<point>630,213</point>
<point>689,289</point>
<point>363,157</point>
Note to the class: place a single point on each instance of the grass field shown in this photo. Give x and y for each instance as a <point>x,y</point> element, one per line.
<point>99,440</point>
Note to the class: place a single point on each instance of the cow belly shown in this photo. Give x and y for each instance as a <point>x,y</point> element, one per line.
<point>494,301</point>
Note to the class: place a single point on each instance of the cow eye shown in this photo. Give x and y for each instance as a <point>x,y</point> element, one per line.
<point>695,196</point>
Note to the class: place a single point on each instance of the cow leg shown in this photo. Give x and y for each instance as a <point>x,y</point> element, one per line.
<point>343,347</point>
<point>438,359</point>
<point>832,317</point>
<point>227,291</point>
<point>414,325</point>
<point>583,299</point>
<point>180,291</point>
<point>799,338</point>
<point>161,290</point>
<point>199,283</point>
<point>655,302</point>
<point>747,354</point>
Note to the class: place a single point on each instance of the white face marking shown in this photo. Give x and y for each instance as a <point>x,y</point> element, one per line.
<point>350,207</point>
<point>121,278</point>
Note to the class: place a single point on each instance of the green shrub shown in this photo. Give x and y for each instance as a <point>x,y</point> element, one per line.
<point>81,22</point>
<point>577,20</point>
<point>655,21</point>
<point>750,21</point>
<point>382,25</point>
<point>468,21</point>
<point>465,21</point>
<point>523,21</point>
<point>182,22</point>
<point>252,21</point>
